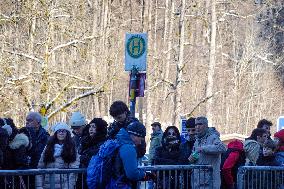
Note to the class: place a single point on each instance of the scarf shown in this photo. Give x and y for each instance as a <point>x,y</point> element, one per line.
<point>58,150</point>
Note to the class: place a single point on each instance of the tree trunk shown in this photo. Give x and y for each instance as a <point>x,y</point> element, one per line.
<point>212,62</point>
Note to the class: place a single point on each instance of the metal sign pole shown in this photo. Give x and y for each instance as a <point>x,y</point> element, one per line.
<point>133,88</point>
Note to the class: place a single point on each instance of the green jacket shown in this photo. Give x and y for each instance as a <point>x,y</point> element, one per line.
<point>156,141</point>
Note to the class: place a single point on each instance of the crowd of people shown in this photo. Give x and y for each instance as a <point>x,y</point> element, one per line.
<point>76,143</point>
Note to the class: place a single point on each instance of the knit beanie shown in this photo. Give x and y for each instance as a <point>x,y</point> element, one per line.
<point>77,120</point>
<point>61,125</point>
<point>136,128</point>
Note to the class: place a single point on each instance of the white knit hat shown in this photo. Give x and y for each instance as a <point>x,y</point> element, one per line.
<point>61,125</point>
<point>77,120</point>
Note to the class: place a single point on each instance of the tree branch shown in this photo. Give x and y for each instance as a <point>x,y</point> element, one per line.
<point>73,100</point>
<point>48,105</point>
<point>25,55</point>
<point>199,103</point>
<point>69,43</point>
<point>72,76</point>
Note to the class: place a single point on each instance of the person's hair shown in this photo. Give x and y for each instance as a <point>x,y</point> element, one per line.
<point>156,123</point>
<point>190,123</point>
<point>101,127</point>
<point>270,144</point>
<point>263,122</point>
<point>257,132</point>
<point>35,115</point>
<point>10,122</point>
<point>68,153</point>
<point>118,108</point>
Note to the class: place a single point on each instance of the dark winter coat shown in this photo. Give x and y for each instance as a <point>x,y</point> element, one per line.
<point>168,154</point>
<point>89,147</point>
<point>186,149</point>
<point>3,145</point>
<point>77,140</point>
<point>39,141</point>
<point>17,153</point>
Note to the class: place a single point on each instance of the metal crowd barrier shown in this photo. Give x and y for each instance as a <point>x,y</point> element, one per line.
<point>179,177</point>
<point>168,177</point>
<point>260,177</point>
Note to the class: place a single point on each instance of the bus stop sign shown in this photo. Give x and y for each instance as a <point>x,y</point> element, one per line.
<point>135,51</point>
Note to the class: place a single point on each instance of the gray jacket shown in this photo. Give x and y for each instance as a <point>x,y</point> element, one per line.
<point>212,148</point>
<point>156,141</point>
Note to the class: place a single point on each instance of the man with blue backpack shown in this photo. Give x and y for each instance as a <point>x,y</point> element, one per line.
<point>116,164</point>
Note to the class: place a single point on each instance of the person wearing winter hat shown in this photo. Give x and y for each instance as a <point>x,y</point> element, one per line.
<point>60,153</point>
<point>77,122</point>
<point>126,166</point>
<point>279,141</point>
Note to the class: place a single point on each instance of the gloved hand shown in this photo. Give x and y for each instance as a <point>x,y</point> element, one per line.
<point>150,176</point>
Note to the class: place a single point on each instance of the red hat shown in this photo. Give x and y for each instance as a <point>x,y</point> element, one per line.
<point>280,135</point>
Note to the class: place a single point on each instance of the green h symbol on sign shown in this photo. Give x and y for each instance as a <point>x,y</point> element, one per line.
<point>136,46</point>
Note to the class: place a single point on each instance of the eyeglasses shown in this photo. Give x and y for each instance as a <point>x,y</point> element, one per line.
<point>198,124</point>
<point>61,131</point>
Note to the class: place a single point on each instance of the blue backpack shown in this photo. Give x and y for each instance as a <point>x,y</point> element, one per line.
<point>100,168</point>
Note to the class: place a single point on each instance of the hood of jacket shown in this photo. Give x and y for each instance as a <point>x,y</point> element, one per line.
<point>236,145</point>
<point>210,131</point>
<point>19,140</point>
<point>123,137</point>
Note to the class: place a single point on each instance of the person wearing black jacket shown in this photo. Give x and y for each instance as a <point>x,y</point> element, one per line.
<point>168,154</point>
<point>93,136</point>
<point>187,146</point>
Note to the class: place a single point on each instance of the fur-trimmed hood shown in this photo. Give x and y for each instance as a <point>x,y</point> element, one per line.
<point>19,140</point>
